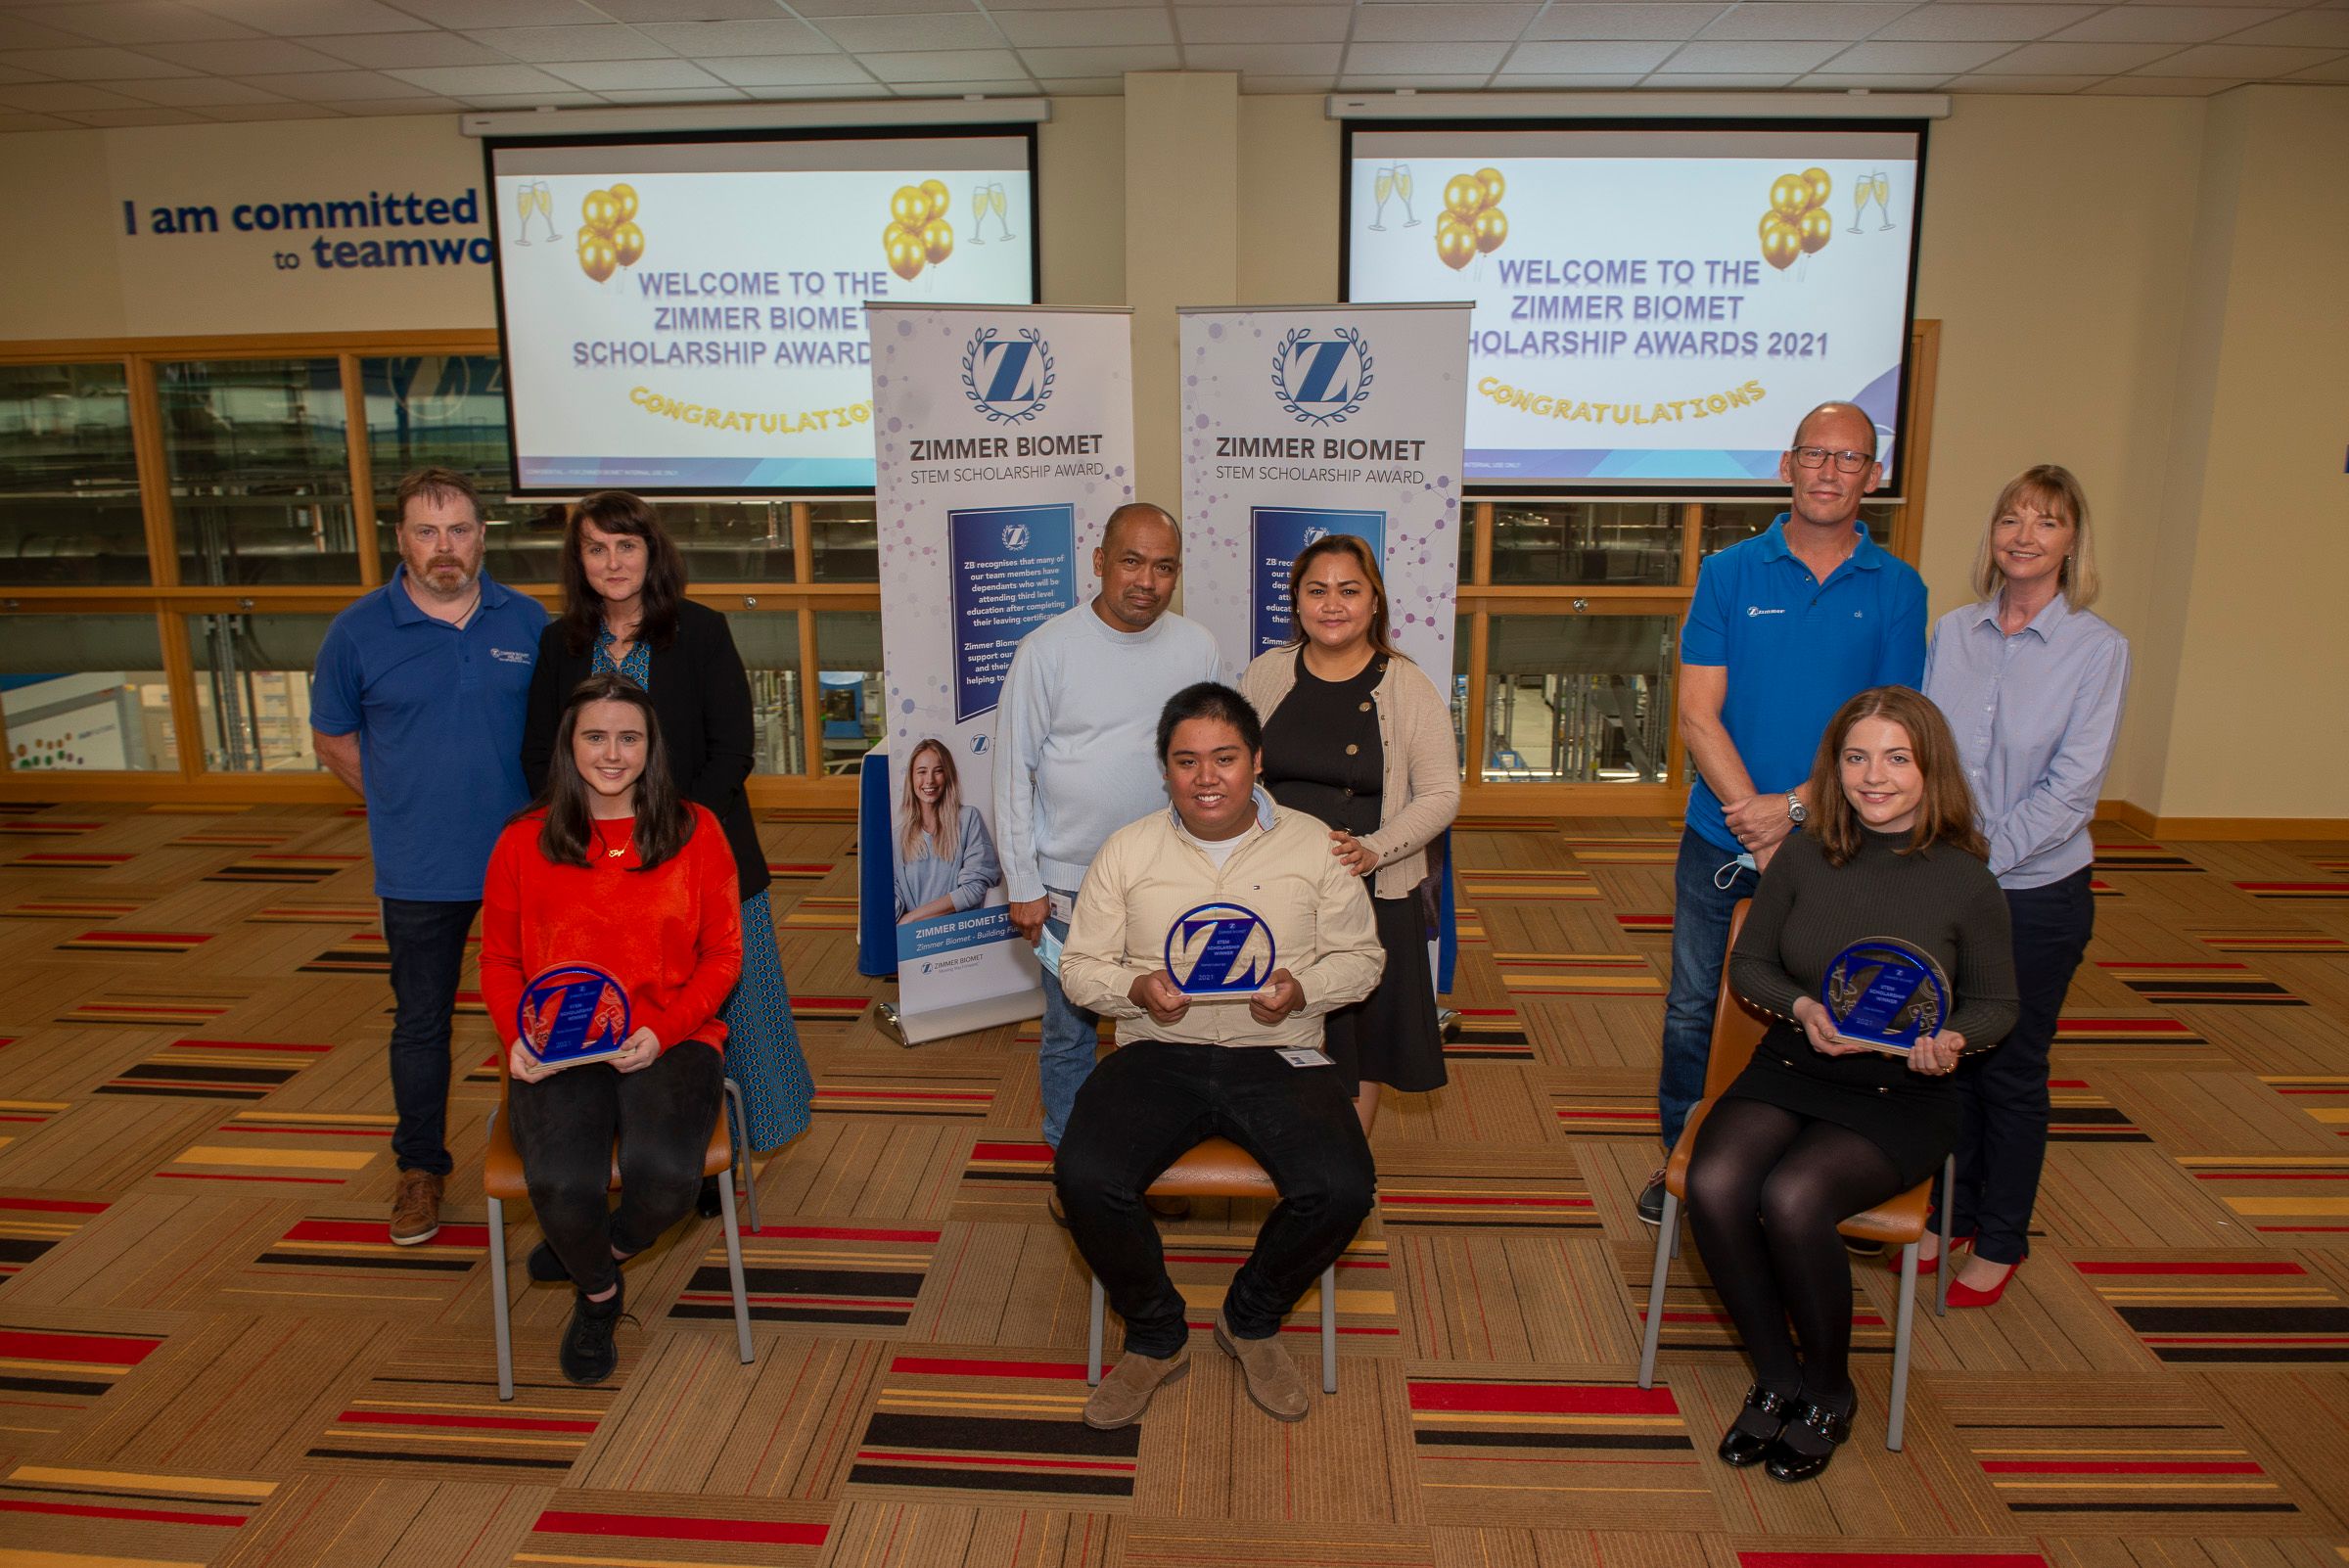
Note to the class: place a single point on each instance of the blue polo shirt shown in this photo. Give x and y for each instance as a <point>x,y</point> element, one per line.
<point>1796,650</point>
<point>439,713</point>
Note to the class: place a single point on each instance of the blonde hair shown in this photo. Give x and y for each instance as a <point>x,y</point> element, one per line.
<point>2055,490</point>
<point>947,843</point>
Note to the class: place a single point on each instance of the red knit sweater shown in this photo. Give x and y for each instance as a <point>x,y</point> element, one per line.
<point>672,936</point>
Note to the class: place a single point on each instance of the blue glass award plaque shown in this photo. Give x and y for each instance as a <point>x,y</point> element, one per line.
<point>1220,953</point>
<point>1885,994</point>
<point>573,1013</point>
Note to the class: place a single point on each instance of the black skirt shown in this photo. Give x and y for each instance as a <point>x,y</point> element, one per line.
<point>1916,1123</point>
<point>1390,1036</point>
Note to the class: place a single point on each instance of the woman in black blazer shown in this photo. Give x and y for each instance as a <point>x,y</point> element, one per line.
<point>625,611</point>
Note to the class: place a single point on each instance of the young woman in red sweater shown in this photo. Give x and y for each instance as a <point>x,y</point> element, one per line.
<point>611,866</point>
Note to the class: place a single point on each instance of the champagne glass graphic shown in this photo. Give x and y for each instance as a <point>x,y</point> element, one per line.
<point>1403,188</point>
<point>547,208</point>
<point>1383,187</point>
<point>995,195</point>
<point>526,201</point>
<point>1883,185</point>
<point>982,200</point>
<point>1864,191</point>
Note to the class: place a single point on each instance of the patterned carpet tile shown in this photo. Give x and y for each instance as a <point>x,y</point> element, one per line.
<point>2323,1096</point>
<point>630,1530</point>
<point>991,1427</point>
<point>2200,984</point>
<point>2225,1308</point>
<point>91,1516</point>
<point>1608,1454</point>
<point>2301,1197</point>
<point>398,1423</point>
<point>313,1149</point>
<point>857,1275</point>
<point>30,1224</point>
<point>214,1070</point>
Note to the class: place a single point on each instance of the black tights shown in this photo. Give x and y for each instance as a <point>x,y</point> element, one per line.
<point>1766,1188</point>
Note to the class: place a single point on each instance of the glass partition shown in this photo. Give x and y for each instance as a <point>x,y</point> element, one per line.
<point>259,471</point>
<point>848,651</point>
<point>449,412</point>
<point>844,545</point>
<point>69,477</point>
<point>769,641</point>
<point>1616,544</point>
<point>253,689</point>
<point>85,693</point>
<point>1578,699</point>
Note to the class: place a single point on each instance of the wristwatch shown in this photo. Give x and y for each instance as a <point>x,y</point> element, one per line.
<point>1796,813</point>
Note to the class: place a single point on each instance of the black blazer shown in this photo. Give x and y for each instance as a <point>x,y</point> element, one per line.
<point>703,700</point>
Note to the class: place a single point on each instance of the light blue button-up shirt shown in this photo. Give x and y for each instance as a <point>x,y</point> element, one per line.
<point>2035,716</point>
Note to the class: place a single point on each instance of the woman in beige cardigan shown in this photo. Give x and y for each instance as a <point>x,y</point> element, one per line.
<point>1359,736</point>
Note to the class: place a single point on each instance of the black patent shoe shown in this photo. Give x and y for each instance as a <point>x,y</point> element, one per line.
<point>1741,1448</point>
<point>706,1202</point>
<point>1788,1463</point>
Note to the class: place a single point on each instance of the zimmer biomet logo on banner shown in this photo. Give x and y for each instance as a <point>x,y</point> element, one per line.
<point>1009,380</point>
<point>1321,380</point>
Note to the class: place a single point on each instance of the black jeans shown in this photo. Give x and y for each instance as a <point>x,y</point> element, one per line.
<point>564,1126</point>
<point>2003,1139</point>
<point>1152,1102</point>
<point>426,945</point>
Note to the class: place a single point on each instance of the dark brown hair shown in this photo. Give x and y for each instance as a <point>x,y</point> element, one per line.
<point>619,512</point>
<point>664,818</point>
<point>434,484</point>
<point>1947,813</point>
<point>1359,548</point>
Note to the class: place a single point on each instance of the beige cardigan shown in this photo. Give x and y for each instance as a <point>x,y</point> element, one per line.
<point>1419,790</point>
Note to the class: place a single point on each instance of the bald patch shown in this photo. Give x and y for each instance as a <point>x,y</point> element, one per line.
<point>1829,410</point>
<point>1139,512</point>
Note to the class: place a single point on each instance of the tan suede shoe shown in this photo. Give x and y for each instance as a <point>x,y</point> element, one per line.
<point>416,1208</point>
<point>1272,1380</point>
<point>1126,1389</point>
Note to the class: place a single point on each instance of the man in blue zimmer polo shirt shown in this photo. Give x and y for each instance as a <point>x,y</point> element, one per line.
<point>417,705</point>
<point>1785,626</point>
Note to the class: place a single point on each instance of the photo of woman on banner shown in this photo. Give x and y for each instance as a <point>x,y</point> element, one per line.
<point>943,854</point>
<point>1359,736</point>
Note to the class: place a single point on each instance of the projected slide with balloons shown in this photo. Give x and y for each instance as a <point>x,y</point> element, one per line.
<point>688,317</point>
<point>1654,309</point>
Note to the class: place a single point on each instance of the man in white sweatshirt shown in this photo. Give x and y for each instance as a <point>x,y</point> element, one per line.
<point>1074,759</point>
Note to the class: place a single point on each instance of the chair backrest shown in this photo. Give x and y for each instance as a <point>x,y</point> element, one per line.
<point>1737,1025</point>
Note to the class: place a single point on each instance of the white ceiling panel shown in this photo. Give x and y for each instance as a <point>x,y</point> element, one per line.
<point>2330,71</point>
<point>61,96</point>
<point>1586,59</point>
<point>467,82</point>
<point>196,92</point>
<point>2075,59</point>
<point>2037,86</point>
<point>2244,61</point>
<point>1970,23</point>
<point>1822,19</point>
<point>1302,23</point>
<point>1461,23</point>
<point>33,122</point>
<point>244,57</point>
<point>1877,81</point>
<point>632,75</point>
<point>903,34</point>
<point>334,86</point>
<point>1576,84</point>
<point>2183,25</point>
<point>706,10</point>
<point>2322,29</point>
<point>1708,82</point>
<point>1403,60</point>
<point>1917,58</point>
<point>1753,59</point>
<point>945,64</point>
<point>91,64</point>
<point>305,19</point>
<point>1282,59</point>
<point>1102,62</point>
<point>541,44</point>
<point>821,9</point>
<point>1109,27</point>
<point>503,12</point>
<point>385,51</point>
<point>249,114</point>
<point>711,40</point>
<point>110,119</point>
<point>15,34</point>
<point>1463,82</point>
<point>788,70</point>
<point>1107,86</point>
<point>2160,86</point>
<point>387,108</point>
<point>137,23</point>
<point>673,95</point>
<point>1668,21</point>
<point>787,94</point>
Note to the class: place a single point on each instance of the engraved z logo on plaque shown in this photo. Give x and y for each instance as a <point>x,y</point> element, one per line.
<point>1220,953</point>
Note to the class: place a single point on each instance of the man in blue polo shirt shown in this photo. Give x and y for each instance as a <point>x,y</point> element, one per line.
<point>417,705</point>
<point>1784,628</point>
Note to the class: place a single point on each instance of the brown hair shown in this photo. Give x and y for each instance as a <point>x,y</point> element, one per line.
<point>436,485</point>
<point>1359,549</point>
<point>664,818</point>
<point>619,512</point>
<point>2053,489</point>
<point>1947,813</point>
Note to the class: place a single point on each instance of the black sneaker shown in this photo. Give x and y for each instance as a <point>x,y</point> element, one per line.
<point>706,1202</point>
<point>588,1356</point>
<point>1651,1199</point>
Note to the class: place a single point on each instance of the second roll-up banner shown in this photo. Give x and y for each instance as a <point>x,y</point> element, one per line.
<point>1310,420</point>
<point>1004,438</point>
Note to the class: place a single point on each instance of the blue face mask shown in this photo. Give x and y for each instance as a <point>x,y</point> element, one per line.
<point>1047,951</point>
<point>1722,877</point>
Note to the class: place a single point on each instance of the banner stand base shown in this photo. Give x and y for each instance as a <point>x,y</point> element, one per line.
<point>968,1018</point>
<point>885,1016</point>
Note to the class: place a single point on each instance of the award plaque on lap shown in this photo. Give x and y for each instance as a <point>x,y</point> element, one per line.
<point>1220,953</point>
<point>573,1013</point>
<point>1885,994</point>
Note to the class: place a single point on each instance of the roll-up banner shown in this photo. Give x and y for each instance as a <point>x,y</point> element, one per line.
<point>1004,438</point>
<point>1301,421</point>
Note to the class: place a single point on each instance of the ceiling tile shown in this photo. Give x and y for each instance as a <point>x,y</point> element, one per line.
<point>499,13</point>
<point>1063,5</point>
<point>788,70</point>
<point>1404,58</point>
<point>109,118</point>
<point>15,34</point>
<point>137,23</point>
<point>1019,87</point>
<point>704,40</point>
<point>1428,83</point>
<point>1291,60</point>
<point>2022,84</point>
<point>1578,83</point>
<point>245,57</point>
<point>881,34</point>
<point>1623,21</point>
<point>1109,86</point>
<point>386,107</point>
<point>334,86</point>
<point>1467,22</point>
<point>954,64</point>
<point>1260,23</point>
<point>1101,62</point>
<point>779,94</point>
<point>632,76</point>
<point>249,114</point>
<point>196,92</point>
<point>1823,19</point>
<point>1756,58</point>
<point>2322,29</point>
<point>1685,81</point>
<point>1077,27</point>
<point>699,10</point>
<point>60,97</point>
<point>385,51</point>
<point>2074,59</point>
<point>2162,25</point>
<point>90,64</point>
<point>535,44</point>
<point>1585,59</point>
<point>303,19</point>
<point>470,81</point>
<point>33,122</point>
<point>1915,58</point>
<point>9,73</point>
<point>2161,86</point>
<point>567,98</point>
<point>1967,23</point>
<point>868,8</point>
<point>1881,81</point>
<point>2240,60</point>
<point>2330,71</point>
<point>1267,86</point>
<point>673,95</point>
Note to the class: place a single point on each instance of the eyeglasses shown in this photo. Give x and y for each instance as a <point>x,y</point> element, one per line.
<point>1846,462</point>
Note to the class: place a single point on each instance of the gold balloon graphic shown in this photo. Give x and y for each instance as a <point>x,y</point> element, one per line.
<point>627,243</point>
<point>937,241</point>
<point>1821,187</point>
<point>904,248</point>
<point>1455,242</point>
<point>1472,223</point>
<point>1817,227</point>
<point>597,258</point>
<point>1495,186</point>
<point>940,197</point>
<point>910,206</point>
<point>624,199</point>
<point>1464,196</point>
<point>1490,228</point>
<point>1781,243</point>
<point>919,233</point>
<point>599,212</point>
<point>1798,223</point>
<point>1791,196</point>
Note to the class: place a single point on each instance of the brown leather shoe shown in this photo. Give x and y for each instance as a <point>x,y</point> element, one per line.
<point>1272,1376</point>
<point>416,1208</point>
<point>1125,1391</point>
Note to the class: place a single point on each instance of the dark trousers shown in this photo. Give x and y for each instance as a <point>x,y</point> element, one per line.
<point>1152,1102</point>
<point>1701,906</point>
<point>426,945</point>
<point>564,1126</point>
<point>2002,1140</point>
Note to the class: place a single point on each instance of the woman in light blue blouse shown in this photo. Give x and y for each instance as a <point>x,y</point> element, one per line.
<point>946,859</point>
<point>2031,685</point>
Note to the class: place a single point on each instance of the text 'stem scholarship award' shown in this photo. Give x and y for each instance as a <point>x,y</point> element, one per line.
<point>573,1013</point>
<point>1322,419</point>
<point>1885,994</point>
<point>1004,438</point>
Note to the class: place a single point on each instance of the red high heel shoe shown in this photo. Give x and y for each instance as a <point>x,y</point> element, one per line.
<point>1925,1265</point>
<point>1962,1294</point>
